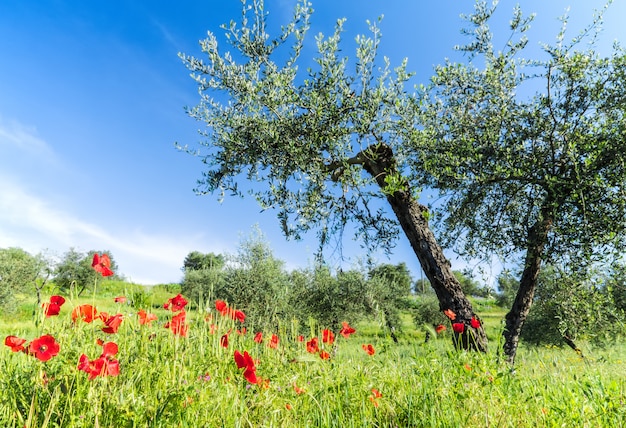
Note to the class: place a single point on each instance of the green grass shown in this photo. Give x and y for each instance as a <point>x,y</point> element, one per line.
<point>172,381</point>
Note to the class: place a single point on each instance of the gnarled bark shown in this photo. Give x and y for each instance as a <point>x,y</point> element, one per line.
<point>379,161</point>
<point>515,318</point>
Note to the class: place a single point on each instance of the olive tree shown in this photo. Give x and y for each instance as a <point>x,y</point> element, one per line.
<point>323,145</point>
<point>19,272</point>
<point>530,154</point>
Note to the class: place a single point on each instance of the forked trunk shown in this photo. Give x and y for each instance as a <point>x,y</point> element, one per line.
<point>537,238</point>
<point>379,162</point>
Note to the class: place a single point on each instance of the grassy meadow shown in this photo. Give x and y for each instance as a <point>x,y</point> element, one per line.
<point>170,380</point>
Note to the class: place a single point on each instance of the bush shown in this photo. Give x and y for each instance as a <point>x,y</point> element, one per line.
<point>571,305</point>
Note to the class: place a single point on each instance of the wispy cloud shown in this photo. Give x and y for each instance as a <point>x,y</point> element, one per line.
<point>34,224</point>
<point>16,135</point>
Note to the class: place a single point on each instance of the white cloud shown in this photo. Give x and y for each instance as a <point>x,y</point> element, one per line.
<point>34,224</point>
<point>14,134</point>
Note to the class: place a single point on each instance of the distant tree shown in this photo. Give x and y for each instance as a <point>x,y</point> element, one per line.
<point>19,272</point>
<point>507,289</point>
<point>529,154</point>
<point>331,299</point>
<point>572,305</point>
<point>256,282</point>
<point>388,288</point>
<point>196,260</point>
<point>325,145</point>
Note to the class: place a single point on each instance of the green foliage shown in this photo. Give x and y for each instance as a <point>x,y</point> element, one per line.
<point>18,273</point>
<point>300,136</point>
<point>572,305</point>
<point>388,288</point>
<point>198,261</point>
<point>425,311</point>
<point>515,142</point>
<point>507,288</point>
<point>204,273</point>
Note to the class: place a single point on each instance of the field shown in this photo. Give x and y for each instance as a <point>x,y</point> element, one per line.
<point>187,375</point>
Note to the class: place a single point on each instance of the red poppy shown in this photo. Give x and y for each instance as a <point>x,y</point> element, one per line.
<point>312,346</point>
<point>15,343</point>
<point>111,323</point>
<point>102,264</point>
<point>176,303</point>
<point>246,361</point>
<point>258,338</point>
<point>103,366</point>
<point>273,343</point>
<point>239,316</point>
<point>328,336</point>
<point>369,349</point>
<point>221,307</point>
<point>44,348</point>
<point>297,389</point>
<point>440,328</point>
<point>301,338</point>
<point>85,312</point>
<point>120,299</point>
<point>450,314</point>
<point>145,318</point>
<point>376,393</point>
<point>178,324</point>
<point>475,323</point>
<point>324,355</point>
<point>458,327</point>
<point>346,330</point>
<point>224,340</point>
<point>53,307</point>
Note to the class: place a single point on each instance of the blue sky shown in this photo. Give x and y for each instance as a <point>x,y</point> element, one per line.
<point>92,98</point>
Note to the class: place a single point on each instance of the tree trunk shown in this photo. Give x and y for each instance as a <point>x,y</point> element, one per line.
<point>379,161</point>
<point>537,238</point>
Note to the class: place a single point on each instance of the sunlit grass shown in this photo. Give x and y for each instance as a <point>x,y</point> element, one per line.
<point>172,381</point>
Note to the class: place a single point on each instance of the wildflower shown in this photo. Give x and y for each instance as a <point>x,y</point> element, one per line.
<point>178,324</point>
<point>111,323</point>
<point>328,336</point>
<point>297,389</point>
<point>375,395</point>
<point>450,314</point>
<point>176,303</point>
<point>301,338</point>
<point>346,330</point>
<point>15,343</point>
<point>85,312</point>
<point>239,316</point>
<point>258,338</point>
<point>120,299</point>
<point>103,366</point>
<point>102,264</point>
<point>288,406</point>
<point>273,343</point>
<point>458,327</point>
<point>221,307</point>
<point>53,307</point>
<point>324,355</point>
<point>224,340</point>
<point>440,328</point>
<point>475,323</point>
<point>312,346</point>
<point>44,348</point>
<point>145,318</point>
<point>369,349</point>
<point>246,361</point>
